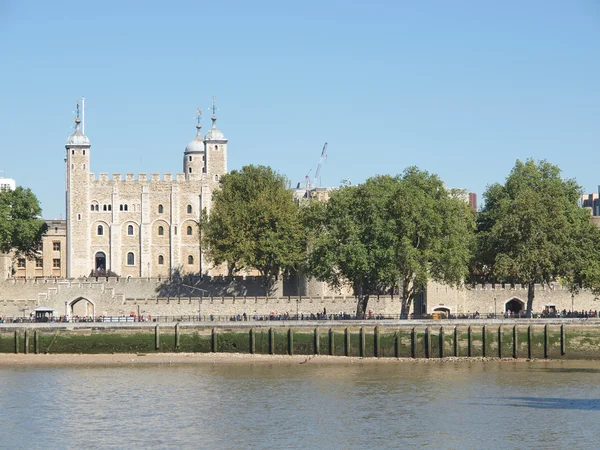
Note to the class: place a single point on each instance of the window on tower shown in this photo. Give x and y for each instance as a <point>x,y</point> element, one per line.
<point>189,169</point>
<point>189,209</point>
<point>129,230</point>
<point>161,231</point>
<point>190,259</point>
<point>84,155</point>
<point>161,259</point>
<point>130,259</point>
<point>161,209</point>
<point>100,230</point>
<point>189,231</point>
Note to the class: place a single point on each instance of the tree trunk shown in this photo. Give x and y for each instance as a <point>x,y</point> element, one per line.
<point>406,299</point>
<point>530,296</point>
<point>361,301</point>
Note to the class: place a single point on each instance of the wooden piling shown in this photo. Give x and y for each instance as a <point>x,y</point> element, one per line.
<point>500,341</point>
<point>362,342</point>
<point>412,343</point>
<point>455,342</point>
<point>214,344</point>
<point>396,346</point>
<point>469,343</point>
<point>177,336</point>
<point>271,341</point>
<point>25,342</point>
<point>546,349</point>
<point>252,338</point>
<point>515,342</point>
<point>316,341</point>
<point>36,342</point>
<point>441,340</point>
<point>529,342</point>
<point>346,342</point>
<point>376,342</point>
<point>427,342</point>
<point>290,342</point>
<point>156,337</point>
<point>331,342</point>
<point>483,341</point>
<point>562,340</point>
<point>16,341</point>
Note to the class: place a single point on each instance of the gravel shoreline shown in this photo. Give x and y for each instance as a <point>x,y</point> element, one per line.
<point>120,359</point>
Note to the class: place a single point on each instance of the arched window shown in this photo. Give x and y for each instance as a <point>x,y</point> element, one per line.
<point>189,209</point>
<point>189,231</point>
<point>161,231</point>
<point>160,209</point>
<point>100,230</point>
<point>129,230</point>
<point>92,207</point>
<point>110,207</point>
<point>104,208</point>
<point>97,207</point>
<point>216,147</point>
<point>190,158</point>
<point>125,207</point>
<point>216,177</point>
<point>130,259</point>
<point>189,169</point>
<point>190,259</point>
<point>161,259</point>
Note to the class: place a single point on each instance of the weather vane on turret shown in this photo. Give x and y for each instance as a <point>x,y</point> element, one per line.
<point>214,111</point>
<point>198,126</point>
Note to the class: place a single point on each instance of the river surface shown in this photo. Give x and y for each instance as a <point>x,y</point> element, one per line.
<point>457,405</point>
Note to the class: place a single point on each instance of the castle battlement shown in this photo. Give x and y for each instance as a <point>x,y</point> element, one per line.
<point>103,178</point>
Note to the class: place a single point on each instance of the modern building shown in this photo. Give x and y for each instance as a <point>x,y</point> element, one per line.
<point>7,184</point>
<point>144,226</point>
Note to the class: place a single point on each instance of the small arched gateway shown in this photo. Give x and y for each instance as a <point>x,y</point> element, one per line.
<point>81,307</point>
<point>514,305</point>
<point>442,310</point>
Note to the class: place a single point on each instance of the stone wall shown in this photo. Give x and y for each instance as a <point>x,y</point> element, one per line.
<point>238,295</point>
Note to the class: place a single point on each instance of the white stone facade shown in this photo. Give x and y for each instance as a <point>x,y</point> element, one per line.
<point>144,226</point>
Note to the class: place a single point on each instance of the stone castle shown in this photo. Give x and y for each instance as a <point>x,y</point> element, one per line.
<point>124,237</point>
<point>139,227</point>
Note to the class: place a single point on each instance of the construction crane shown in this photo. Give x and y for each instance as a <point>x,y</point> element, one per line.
<point>316,178</point>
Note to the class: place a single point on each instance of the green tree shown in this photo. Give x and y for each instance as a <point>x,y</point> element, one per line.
<point>353,239</point>
<point>21,229</point>
<point>392,230</point>
<point>531,230</point>
<point>434,229</point>
<point>254,224</point>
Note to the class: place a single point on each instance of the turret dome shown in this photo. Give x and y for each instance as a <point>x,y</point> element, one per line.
<point>197,145</point>
<point>78,138</point>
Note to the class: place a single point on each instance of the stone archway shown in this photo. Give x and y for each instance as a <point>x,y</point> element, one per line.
<point>100,262</point>
<point>81,307</point>
<point>514,305</point>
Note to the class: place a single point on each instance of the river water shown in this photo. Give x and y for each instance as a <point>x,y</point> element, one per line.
<point>455,405</point>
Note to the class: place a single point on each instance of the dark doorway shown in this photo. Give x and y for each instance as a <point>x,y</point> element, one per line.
<point>515,306</point>
<point>100,262</point>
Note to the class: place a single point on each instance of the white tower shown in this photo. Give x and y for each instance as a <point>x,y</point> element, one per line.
<point>194,155</point>
<point>77,201</point>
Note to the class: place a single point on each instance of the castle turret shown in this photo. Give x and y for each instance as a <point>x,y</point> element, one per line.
<point>77,201</point>
<point>216,154</point>
<point>194,155</point>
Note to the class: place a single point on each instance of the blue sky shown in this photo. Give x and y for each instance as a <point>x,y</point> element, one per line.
<point>461,89</point>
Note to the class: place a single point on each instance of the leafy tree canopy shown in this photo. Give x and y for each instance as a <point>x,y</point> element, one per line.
<point>21,229</point>
<point>254,224</point>
<point>531,230</point>
<point>405,229</point>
